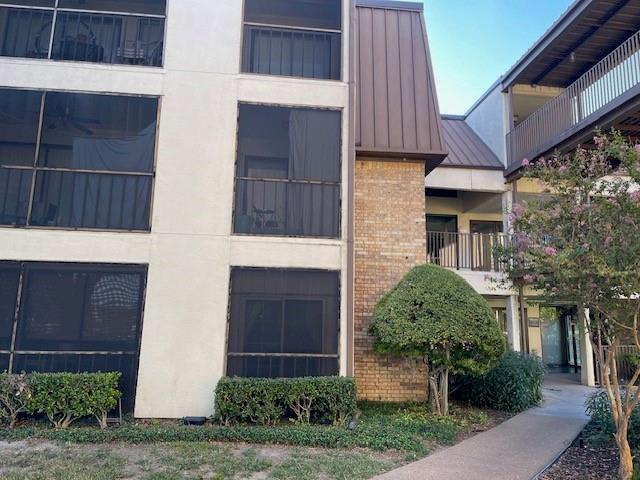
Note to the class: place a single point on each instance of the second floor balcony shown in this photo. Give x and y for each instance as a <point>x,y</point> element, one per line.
<point>466,251</point>
<point>601,97</point>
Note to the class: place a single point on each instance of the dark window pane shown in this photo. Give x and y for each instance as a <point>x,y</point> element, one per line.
<point>86,37</point>
<point>150,7</point>
<point>32,3</point>
<point>98,132</point>
<point>285,313</point>
<point>90,200</point>
<point>308,138</point>
<point>266,207</point>
<point>25,32</point>
<point>19,118</point>
<point>9,278</point>
<point>324,14</point>
<point>67,308</point>
<point>15,186</point>
<point>293,53</point>
<point>127,364</point>
<point>4,362</point>
<point>275,367</point>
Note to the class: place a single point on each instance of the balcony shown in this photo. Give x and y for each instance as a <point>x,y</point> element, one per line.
<point>465,251</point>
<point>607,86</point>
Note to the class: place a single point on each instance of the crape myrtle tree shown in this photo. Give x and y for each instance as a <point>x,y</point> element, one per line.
<point>435,315</point>
<point>579,243</point>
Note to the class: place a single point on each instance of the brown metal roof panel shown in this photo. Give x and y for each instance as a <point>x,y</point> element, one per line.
<point>397,107</point>
<point>466,148</point>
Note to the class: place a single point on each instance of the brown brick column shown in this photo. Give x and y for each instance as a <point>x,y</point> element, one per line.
<point>390,239</point>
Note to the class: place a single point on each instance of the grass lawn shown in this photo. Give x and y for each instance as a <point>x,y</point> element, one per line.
<point>386,436</point>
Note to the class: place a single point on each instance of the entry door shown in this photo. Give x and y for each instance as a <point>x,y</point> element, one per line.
<point>484,238</point>
<point>552,333</point>
<point>442,242</point>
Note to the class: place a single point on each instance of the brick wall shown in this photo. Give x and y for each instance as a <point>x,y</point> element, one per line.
<point>390,239</point>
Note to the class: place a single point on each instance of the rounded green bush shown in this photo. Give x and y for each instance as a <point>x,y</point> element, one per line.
<point>433,309</point>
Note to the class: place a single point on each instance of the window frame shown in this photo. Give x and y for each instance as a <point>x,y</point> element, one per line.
<point>244,24</point>
<point>13,351</point>
<point>35,167</point>
<point>56,9</point>
<point>288,181</point>
<point>283,298</point>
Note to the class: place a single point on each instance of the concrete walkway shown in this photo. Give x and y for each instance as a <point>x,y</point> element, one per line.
<point>518,449</point>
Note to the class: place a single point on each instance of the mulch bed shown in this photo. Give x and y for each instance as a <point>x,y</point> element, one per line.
<point>585,462</point>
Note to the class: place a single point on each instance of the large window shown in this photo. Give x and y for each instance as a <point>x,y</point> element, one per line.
<point>283,323</point>
<point>288,172</point>
<point>127,32</point>
<point>72,318</point>
<point>72,160</point>
<point>296,38</point>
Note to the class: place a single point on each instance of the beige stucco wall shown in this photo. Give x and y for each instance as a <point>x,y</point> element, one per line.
<point>190,249</point>
<point>453,206</point>
<point>467,179</point>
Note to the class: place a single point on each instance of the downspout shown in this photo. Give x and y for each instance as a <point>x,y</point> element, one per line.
<point>351,191</point>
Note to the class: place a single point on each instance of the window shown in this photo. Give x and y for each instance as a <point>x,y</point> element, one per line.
<point>72,318</point>
<point>283,323</point>
<point>98,31</point>
<point>288,172</point>
<point>95,159</point>
<point>296,38</point>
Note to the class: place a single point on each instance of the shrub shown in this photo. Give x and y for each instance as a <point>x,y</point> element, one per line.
<point>265,401</point>
<point>15,395</point>
<point>514,385</point>
<point>66,397</point>
<point>602,428</point>
<point>434,315</point>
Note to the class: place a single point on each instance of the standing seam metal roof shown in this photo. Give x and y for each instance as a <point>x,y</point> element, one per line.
<point>466,148</point>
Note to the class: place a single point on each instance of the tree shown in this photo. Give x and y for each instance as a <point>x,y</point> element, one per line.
<point>435,315</point>
<point>579,243</point>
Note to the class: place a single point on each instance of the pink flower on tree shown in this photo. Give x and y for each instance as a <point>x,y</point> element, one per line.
<point>528,278</point>
<point>525,162</point>
<point>637,147</point>
<point>551,251</point>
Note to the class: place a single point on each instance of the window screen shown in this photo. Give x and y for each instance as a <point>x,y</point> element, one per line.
<point>9,278</point>
<point>288,172</point>
<point>125,32</point>
<point>296,38</point>
<point>73,318</point>
<point>283,323</point>
<point>95,165</point>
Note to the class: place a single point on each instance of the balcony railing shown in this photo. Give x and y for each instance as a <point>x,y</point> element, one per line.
<point>291,52</point>
<point>608,80</point>
<point>465,251</point>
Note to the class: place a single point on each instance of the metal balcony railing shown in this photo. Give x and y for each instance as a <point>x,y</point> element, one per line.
<point>465,251</point>
<point>605,82</point>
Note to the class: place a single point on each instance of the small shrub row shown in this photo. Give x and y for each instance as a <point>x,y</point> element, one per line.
<point>62,397</point>
<point>267,401</point>
<point>513,385</point>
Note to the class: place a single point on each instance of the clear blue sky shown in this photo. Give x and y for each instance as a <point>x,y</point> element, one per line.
<point>473,42</point>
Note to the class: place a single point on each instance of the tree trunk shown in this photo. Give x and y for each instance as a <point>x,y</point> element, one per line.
<point>625,470</point>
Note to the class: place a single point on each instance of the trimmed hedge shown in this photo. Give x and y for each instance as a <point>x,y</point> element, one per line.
<point>62,397</point>
<point>513,385</point>
<point>602,428</point>
<point>267,401</point>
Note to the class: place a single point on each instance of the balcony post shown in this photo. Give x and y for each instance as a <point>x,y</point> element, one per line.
<point>587,368</point>
<point>513,323</point>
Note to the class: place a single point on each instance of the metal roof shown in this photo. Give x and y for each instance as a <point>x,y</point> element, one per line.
<point>466,148</point>
<point>397,111</point>
<point>580,38</point>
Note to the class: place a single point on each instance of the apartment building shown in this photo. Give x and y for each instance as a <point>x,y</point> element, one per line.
<point>582,74</point>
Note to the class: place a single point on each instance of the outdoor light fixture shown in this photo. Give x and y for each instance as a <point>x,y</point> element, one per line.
<point>199,421</point>
<point>572,57</point>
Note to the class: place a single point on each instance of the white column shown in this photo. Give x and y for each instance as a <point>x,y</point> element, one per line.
<point>513,322</point>
<point>587,370</point>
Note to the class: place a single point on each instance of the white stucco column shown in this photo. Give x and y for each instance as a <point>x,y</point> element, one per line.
<point>587,370</point>
<point>513,322</point>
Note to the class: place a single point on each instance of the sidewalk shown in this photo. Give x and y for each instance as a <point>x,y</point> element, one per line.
<point>518,449</point>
